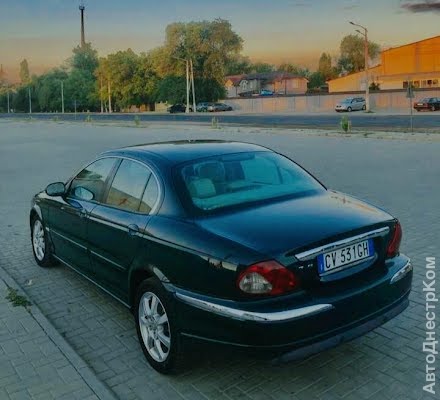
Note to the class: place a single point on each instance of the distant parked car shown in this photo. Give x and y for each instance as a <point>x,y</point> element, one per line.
<point>178,108</point>
<point>203,107</point>
<point>266,92</point>
<point>428,103</point>
<point>215,107</point>
<point>351,104</point>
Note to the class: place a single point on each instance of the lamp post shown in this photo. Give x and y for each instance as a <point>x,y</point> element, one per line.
<point>367,83</point>
<point>188,64</point>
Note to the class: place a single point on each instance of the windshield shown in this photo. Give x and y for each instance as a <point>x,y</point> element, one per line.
<point>349,100</point>
<point>218,182</point>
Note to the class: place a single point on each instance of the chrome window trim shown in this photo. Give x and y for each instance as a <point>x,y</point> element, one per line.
<point>158,182</point>
<point>306,255</point>
<point>244,315</point>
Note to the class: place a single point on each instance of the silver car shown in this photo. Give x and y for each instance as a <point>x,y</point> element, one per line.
<point>351,104</point>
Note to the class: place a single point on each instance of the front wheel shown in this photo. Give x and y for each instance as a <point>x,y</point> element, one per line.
<point>432,108</point>
<point>364,107</point>
<point>40,244</point>
<point>157,327</point>
<point>349,109</point>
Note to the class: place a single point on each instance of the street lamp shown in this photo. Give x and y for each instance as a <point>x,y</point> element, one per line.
<point>367,83</point>
<point>189,64</point>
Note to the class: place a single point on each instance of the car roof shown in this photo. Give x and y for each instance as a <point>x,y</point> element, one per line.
<point>176,152</point>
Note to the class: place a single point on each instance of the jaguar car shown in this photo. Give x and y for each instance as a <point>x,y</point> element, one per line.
<point>225,242</point>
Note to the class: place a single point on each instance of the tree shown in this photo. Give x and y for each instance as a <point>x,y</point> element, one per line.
<point>325,67</point>
<point>294,69</point>
<point>316,80</point>
<point>210,44</point>
<point>80,85</point>
<point>238,65</point>
<point>352,58</point>
<point>24,72</point>
<point>172,89</point>
<point>261,67</point>
<point>48,90</point>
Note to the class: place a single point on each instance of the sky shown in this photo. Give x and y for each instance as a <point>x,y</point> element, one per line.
<point>298,31</point>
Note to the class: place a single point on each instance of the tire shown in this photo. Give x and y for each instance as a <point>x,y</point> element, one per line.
<point>364,107</point>
<point>349,109</point>
<point>154,335</point>
<point>40,244</point>
<point>432,108</point>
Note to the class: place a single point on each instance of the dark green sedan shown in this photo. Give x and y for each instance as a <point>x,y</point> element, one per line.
<point>225,242</point>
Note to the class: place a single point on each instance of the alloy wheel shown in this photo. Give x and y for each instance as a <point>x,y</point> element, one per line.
<point>154,327</point>
<point>38,240</point>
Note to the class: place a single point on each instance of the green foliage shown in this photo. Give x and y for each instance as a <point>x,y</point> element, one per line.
<point>345,124</point>
<point>352,58</point>
<point>294,69</point>
<point>48,90</point>
<point>261,67</point>
<point>84,58</point>
<point>238,65</point>
<point>325,67</point>
<point>172,89</point>
<point>316,80</point>
<point>79,88</point>
<point>16,299</point>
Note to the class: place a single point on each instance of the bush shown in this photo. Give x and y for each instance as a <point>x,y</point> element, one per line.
<point>345,124</point>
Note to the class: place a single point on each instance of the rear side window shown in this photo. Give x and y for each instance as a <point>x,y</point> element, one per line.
<point>89,183</point>
<point>150,196</point>
<point>128,186</point>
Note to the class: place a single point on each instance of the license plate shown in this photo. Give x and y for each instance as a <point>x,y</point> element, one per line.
<point>420,104</point>
<point>336,259</point>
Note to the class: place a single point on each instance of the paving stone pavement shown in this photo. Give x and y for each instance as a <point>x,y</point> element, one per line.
<point>33,363</point>
<point>388,363</point>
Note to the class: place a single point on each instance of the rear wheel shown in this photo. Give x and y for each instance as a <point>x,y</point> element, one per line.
<point>40,244</point>
<point>157,327</point>
<point>364,107</point>
<point>433,108</point>
<point>349,109</point>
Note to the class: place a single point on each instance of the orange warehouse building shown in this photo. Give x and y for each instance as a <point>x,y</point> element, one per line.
<point>417,62</point>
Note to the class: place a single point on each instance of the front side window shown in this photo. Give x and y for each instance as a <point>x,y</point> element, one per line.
<point>128,186</point>
<point>89,183</point>
<point>235,179</point>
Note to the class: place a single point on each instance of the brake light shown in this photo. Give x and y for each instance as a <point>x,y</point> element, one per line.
<point>267,277</point>
<point>394,244</point>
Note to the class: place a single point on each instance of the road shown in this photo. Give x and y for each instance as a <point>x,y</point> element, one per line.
<point>388,363</point>
<point>425,120</point>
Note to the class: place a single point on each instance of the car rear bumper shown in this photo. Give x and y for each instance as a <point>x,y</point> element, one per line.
<point>280,327</point>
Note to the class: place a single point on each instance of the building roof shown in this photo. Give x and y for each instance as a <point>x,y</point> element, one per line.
<point>411,44</point>
<point>235,79</point>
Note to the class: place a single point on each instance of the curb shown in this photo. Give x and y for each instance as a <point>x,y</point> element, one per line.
<point>98,387</point>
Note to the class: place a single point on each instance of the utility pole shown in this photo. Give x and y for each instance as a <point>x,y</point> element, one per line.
<point>83,38</point>
<point>30,100</point>
<point>187,86</point>
<point>366,55</point>
<point>100,96</point>
<point>193,90</point>
<point>110,110</point>
<point>62,97</point>
<point>9,108</point>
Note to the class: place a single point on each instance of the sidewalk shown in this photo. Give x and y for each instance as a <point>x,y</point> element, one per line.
<point>35,361</point>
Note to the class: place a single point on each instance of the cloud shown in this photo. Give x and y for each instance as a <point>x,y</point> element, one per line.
<point>422,6</point>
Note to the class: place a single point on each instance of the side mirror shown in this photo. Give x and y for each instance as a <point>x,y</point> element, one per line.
<point>56,189</point>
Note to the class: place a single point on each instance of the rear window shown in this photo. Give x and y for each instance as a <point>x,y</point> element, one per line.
<point>235,179</point>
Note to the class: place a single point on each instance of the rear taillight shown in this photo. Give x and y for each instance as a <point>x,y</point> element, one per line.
<point>267,277</point>
<point>396,238</point>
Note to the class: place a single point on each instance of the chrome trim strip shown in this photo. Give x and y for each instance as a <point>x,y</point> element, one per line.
<point>69,240</point>
<point>244,315</point>
<point>402,272</point>
<point>108,261</point>
<point>91,280</point>
<point>305,255</point>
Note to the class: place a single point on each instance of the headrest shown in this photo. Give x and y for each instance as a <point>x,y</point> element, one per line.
<point>202,188</point>
<point>213,170</point>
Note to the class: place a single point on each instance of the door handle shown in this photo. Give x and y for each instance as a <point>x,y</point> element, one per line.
<point>133,229</point>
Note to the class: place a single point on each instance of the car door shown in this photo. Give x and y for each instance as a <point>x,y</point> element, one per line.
<point>68,216</point>
<point>116,227</point>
